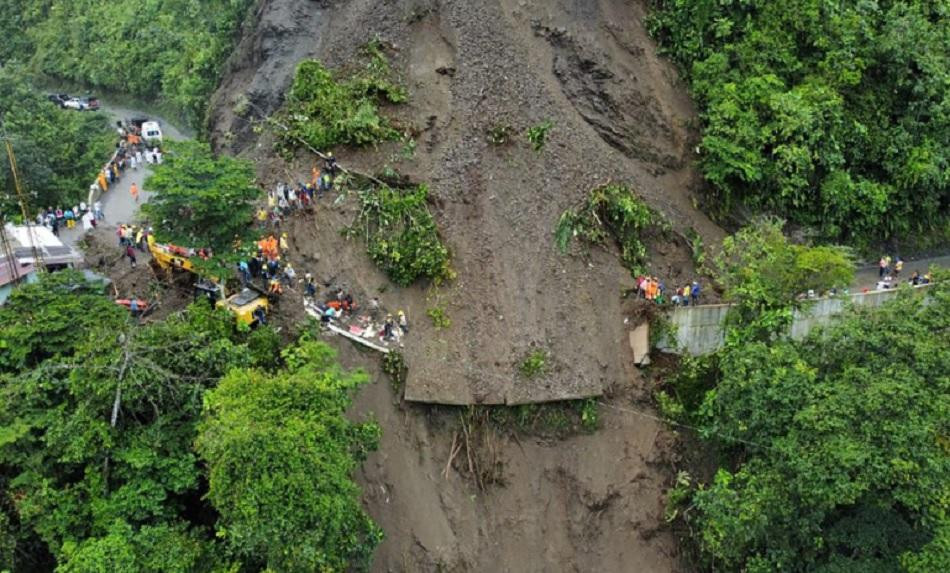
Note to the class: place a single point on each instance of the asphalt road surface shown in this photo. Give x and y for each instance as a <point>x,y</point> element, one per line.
<point>117,202</point>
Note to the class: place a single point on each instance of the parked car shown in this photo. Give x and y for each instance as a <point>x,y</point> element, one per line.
<point>58,99</point>
<point>82,103</point>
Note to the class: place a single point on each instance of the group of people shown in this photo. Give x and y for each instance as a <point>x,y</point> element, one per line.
<point>653,289</point>
<point>885,268</point>
<point>58,218</point>
<point>132,238</point>
<point>889,271</point>
<point>287,198</point>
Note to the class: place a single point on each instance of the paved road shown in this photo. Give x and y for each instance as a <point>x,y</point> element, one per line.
<point>867,277</point>
<point>117,202</point>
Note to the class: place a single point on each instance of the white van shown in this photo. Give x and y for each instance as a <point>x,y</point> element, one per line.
<point>151,132</point>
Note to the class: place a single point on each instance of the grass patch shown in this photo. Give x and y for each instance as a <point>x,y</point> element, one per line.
<point>325,111</point>
<point>401,234</point>
<point>439,317</point>
<point>534,365</point>
<point>611,213</point>
<point>537,135</point>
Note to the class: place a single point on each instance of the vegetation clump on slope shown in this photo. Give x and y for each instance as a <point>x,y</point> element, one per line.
<point>324,111</point>
<point>611,212</point>
<point>169,50</point>
<point>830,114</point>
<point>401,234</point>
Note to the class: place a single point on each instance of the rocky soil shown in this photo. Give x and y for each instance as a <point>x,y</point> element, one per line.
<point>591,502</point>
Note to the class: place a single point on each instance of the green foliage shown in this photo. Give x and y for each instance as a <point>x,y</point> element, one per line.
<point>590,414</point>
<point>549,419</point>
<point>158,50</point>
<point>324,111</point>
<point>98,419</point>
<point>402,238</point>
<point>58,152</point>
<point>831,114</point>
<point>534,364</point>
<point>440,319</point>
<point>394,366</point>
<point>50,319</point>
<point>280,454</point>
<point>201,200</point>
<point>96,426</point>
<point>537,135</point>
<point>763,273</point>
<point>841,459</point>
<point>151,549</point>
<point>611,212</point>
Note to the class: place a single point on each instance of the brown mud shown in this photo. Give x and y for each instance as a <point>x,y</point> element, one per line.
<point>585,503</point>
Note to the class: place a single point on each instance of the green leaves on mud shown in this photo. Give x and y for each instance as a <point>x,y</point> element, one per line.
<point>326,111</point>
<point>611,212</point>
<point>402,237</point>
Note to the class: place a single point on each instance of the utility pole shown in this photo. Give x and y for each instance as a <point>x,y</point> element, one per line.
<point>24,210</point>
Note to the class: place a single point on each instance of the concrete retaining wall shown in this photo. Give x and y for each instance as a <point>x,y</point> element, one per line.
<point>699,329</point>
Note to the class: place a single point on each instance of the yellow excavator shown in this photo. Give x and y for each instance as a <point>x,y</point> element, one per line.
<point>250,305</point>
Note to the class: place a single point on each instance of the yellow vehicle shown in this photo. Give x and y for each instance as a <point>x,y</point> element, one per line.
<point>170,256</point>
<point>248,305</point>
<point>244,304</point>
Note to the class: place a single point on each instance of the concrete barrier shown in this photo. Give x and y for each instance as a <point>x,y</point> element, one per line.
<point>700,329</point>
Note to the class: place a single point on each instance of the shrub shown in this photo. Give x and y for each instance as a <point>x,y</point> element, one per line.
<point>402,238</point>
<point>439,318</point>
<point>537,135</point>
<point>611,212</point>
<point>535,364</point>
<point>324,111</point>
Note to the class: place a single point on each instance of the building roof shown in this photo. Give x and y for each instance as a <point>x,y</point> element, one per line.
<point>7,275</point>
<point>54,252</point>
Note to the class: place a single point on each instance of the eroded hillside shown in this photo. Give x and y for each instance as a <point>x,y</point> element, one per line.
<point>619,114</point>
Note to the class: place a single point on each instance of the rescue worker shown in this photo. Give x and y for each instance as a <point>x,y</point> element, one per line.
<point>403,322</point>
<point>275,287</point>
<point>284,247</point>
<point>311,286</point>
<point>330,165</point>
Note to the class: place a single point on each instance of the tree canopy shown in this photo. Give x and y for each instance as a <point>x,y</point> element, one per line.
<point>201,200</point>
<point>763,273</point>
<point>835,115</point>
<point>99,417</point>
<point>845,461</point>
<point>158,50</point>
<point>58,152</point>
<point>280,453</point>
<point>833,449</point>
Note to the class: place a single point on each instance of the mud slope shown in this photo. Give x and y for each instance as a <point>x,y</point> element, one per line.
<point>587,503</point>
<point>619,115</point>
